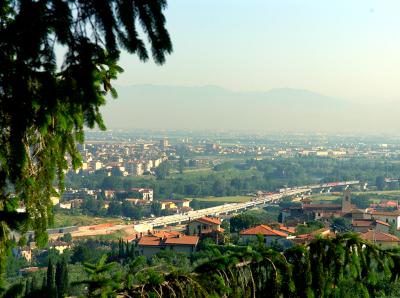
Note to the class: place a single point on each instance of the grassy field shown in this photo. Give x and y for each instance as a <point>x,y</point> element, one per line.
<point>115,236</point>
<point>233,199</point>
<point>375,196</point>
<point>383,192</point>
<point>197,170</point>
<point>202,172</point>
<point>66,220</point>
<point>324,197</point>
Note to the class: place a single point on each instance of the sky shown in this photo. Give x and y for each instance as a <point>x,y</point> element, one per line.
<point>348,49</point>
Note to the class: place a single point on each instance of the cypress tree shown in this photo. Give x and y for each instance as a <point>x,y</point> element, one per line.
<point>27,287</point>
<point>127,250</point>
<point>62,279</point>
<point>58,280</point>
<point>33,286</point>
<point>44,284</point>
<point>50,279</point>
<point>120,249</point>
<point>65,277</point>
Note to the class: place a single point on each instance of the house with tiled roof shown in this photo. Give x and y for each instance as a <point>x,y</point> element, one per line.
<point>203,225</point>
<point>166,234</point>
<point>381,239</point>
<point>206,227</point>
<point>364,225</point>
<point>60,246</point>
<point>23,252</point>
<point>307,211</point>
<point>287,230</point>
<point>390,217</point>
<point>168,205</point>
<point>152,244</point>
<point>142,193</point>
<point>269,235</point>
<point>307,238</point>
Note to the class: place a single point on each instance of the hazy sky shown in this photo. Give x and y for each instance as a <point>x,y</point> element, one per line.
<point>341,48</point>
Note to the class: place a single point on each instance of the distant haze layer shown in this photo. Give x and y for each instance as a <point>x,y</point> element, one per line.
<point>215,108</point>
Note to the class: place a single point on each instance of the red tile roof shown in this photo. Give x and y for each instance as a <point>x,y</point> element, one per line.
<point>165,241</point>
<point>263,230</point>
<point>322,206</point>
<point>324,232</point>
<point>386,213</point>
<point>375,236</point>
<point>150,241</point>
<point>209,220</point>
<point>182,240</point>
<point>362,223</point>
<point>166,234</point>
<point>382,223</point>
<point>391,203</point>
<point>291,230</point>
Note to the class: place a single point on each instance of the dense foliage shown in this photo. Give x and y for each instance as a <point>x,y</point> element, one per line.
<point>337,267</point>
<point>343,266</point>
<point>45,106</point>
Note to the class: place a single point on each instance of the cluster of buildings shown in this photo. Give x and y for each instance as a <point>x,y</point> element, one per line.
<point>373,224</point>
<point>180,242</point>
<point>138,196</point>
<point>123,159</point>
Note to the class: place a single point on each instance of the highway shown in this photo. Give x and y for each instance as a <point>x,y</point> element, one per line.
<point>232,207</point>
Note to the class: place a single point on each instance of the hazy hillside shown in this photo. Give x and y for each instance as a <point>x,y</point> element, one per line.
<point>211,107</point>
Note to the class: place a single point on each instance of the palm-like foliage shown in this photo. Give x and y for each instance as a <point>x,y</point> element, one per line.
<point>101,283</point>
<point>324,268</point>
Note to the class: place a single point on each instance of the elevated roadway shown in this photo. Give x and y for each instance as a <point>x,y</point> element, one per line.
<point>234,207</point>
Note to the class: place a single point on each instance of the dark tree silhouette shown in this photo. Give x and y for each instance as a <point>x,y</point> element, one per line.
<point>61,278</point>
<point>43,106</point>
<point>50,279</point>
<point>380,182</point>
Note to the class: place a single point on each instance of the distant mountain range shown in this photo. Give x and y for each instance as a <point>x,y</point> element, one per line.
<point>212,107</point>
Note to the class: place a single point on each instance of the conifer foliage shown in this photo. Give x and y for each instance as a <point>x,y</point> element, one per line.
<point>44,106</point>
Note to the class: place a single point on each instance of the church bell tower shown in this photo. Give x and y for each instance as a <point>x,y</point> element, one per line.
<point>346,201</point>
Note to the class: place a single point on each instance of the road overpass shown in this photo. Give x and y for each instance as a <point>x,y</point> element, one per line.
<point>162,221</point>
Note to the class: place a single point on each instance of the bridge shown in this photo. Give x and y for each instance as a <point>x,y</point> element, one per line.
<point>225,209</point>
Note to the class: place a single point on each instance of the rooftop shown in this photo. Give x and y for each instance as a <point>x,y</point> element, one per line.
<point>209,220</point>
<point>263,230</point>
<point>379,237</point>
<point>290,230</point>
<point>182,240</point>
<point>322,206</point>
<point>385,213</point>
<point>150,241</point>
<point>382,223</point>
<point>168,239</point>
<point>362,223</point>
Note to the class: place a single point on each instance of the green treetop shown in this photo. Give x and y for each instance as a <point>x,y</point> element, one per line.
<point>43,106</point>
